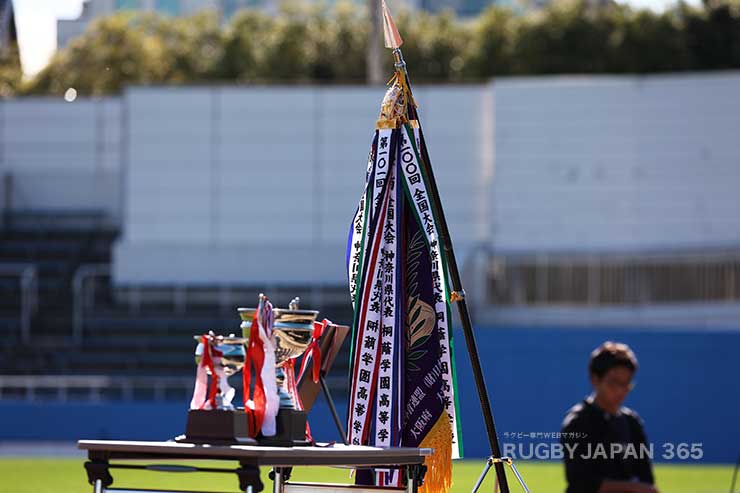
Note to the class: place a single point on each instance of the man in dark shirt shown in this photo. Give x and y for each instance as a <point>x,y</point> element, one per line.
<point>604,443</point>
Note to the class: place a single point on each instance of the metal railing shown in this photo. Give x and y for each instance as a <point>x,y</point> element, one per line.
<point>475,276</point>
<point>100,388</point>
<point>84,285</point>
<point>614,279</point>
<point>27,275</point>
<point>93,388</point>
<point>180,299</point>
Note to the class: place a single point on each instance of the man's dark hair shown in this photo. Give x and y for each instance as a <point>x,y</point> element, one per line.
<point>610,355</point>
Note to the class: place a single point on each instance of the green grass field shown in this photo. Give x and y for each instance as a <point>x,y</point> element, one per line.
<point>68,476</point>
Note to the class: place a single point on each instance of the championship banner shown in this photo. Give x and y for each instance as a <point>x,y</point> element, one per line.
<point>402,362</point>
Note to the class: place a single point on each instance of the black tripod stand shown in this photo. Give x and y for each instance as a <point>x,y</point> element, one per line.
<point>494,460</point>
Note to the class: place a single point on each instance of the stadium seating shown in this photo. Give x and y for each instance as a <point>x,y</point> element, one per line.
<point>152,338</point>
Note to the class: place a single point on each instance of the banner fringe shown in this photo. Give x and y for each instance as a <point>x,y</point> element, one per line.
<point>438,478</point>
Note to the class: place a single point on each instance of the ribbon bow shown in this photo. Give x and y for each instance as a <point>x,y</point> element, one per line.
<point>208,363</point>
<point>255,410</point>
<point>204,395</point>
<point>314,350</point>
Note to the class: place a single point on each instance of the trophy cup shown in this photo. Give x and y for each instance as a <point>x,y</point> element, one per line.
<point>231,358</point>
<point>291,335</point>
<point>212,417</point>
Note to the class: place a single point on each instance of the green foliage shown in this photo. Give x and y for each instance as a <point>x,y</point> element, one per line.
<point>10,71</point>
<point>321,44</point>
<point>491,51</point>
<point>713,36</point>
<point>243,38</point>
<point>115,51</point>
<point>436,46</point>
<point>647,42</point>
<point>192,49</point>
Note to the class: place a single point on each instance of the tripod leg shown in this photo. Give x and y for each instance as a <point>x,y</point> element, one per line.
<point>489,463</point>
<point>333,410</point>
<point>519,477</point>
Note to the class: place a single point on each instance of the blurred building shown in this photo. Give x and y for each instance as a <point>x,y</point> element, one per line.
<point>8,33</point>
<point>462,8</point>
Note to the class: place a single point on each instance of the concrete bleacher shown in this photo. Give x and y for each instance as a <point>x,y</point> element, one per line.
<point>150,338</point>
<point>56,252</point>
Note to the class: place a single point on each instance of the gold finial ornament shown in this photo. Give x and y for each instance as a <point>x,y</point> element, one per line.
<point>393,108</point>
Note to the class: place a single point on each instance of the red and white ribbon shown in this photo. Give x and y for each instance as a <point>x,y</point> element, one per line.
<point>262,407</point>
<point>313,351</point>
<point>204,395</point>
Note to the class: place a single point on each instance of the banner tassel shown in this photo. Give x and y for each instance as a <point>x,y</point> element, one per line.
<point>438,478</point>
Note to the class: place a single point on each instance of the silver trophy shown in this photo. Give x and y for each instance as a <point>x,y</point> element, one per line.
<point>230,356</point>
<point>291,335</point>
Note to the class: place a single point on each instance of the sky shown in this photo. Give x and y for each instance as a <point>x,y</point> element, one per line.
<point>37,29</point>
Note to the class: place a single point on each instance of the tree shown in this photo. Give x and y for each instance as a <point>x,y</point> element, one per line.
<point>566,37</point>
<point>713,35</point>
<point>192,48</point>
<point>315,43</point>
<point>114,52</point>
<point>649,42</point>
<point>437,46</point>
<point>287,48</point>
<point>10,71</point>
<point>243,39</point>
<point>492,47</point>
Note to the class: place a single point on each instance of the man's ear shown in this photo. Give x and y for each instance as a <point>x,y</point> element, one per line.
<point>595,380</point>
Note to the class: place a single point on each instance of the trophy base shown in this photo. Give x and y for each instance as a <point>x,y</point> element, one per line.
<point>217,427</point>
<point>291,430</point>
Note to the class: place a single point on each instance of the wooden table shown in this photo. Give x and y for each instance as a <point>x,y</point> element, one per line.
<point>250,458</point>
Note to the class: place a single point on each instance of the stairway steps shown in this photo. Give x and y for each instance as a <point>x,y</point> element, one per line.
<point>146,343</point>
<point>161,325</point>
<point>154,341</point>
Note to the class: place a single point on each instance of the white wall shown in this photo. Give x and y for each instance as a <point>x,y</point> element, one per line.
<point>616,163</point>
<point>257,185</point>
<point>62,155</point>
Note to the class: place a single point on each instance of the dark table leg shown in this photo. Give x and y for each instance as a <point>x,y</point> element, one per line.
<point>415,477</point>
<point>98,474</point>
<point>249,478</point>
